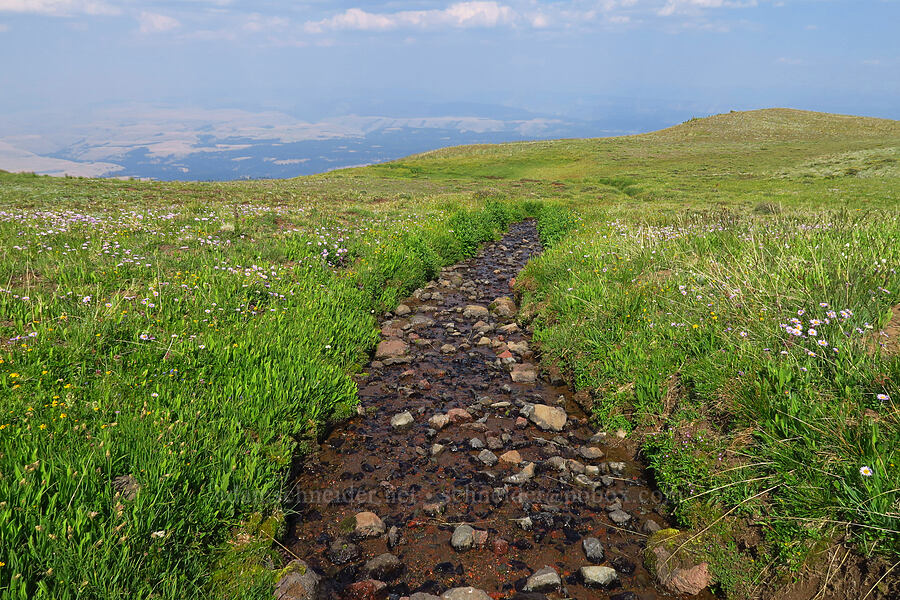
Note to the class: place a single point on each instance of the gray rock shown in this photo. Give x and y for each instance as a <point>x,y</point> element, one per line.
<point>423,596</point>
<point>590,453</point>
<point>487,457</point>
<point>593,549</point>
<point>465,593</point>
<point>598,576</point>
<point>526,474</point>
<point>383,567</point>
<point>436,449</point>
<point>393,537</point>
<point>525,523</point>
<point>476,444</point>
<point>402,420</point>
<point>463,538</point>
<point>619,516</point>
<point>298,582</point>
<point>474,311</point>
<point>543,580</point>
<point>402,310</point>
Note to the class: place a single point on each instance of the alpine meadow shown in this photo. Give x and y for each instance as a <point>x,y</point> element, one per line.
<point>718,302</point>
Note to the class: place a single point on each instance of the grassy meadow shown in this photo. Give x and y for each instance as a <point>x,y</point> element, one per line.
<point>726,290</point>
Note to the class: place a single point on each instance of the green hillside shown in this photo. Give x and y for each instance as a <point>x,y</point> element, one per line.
<point>725,291</point>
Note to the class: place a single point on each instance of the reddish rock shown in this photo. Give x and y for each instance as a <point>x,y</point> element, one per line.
<point>392,348</point>
<point>500,546</point>
<point>423,384</point>
<point>521,422</point>
<point>505,354</point>
<point>371,589</point>
<point>480,537</point>
<point>459,415</point>
<point>511,458</point>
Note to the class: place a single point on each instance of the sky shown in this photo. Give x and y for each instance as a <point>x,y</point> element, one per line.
<point>576,59</point>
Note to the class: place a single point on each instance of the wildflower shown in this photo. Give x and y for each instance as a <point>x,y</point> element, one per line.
<point>812,332</point>
<point>822,343</point>
<point>883,397</point>
<point>865,471</point>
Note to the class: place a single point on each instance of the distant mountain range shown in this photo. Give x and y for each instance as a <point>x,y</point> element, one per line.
<point>219,144</point>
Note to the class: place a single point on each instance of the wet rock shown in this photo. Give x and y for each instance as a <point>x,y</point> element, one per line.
<point>593,549</point>
<point>550,418</point>
<point>420,321</point>
<point>508,329</point>
<point>487,457</point>
<point>680,572</point>
<point>494,443</point>
<point>511,458</point>
<point>521,422</point>
<point>384,567</point>
<point>480,538</point>
<point>342,551</point>
<point>297,582</point>
<point>368,525</point>
<point>448,349</point>
<point>439,421</point>
<point>543,580</point>
<point>598,576</point>
<point>525,523</point>
<point>519,348</point>
<point>500,547</point>
<point>463,538</point>
<point>616,468</point>
<point>393,348</point>
<point>402,420</point>
<point>459,415</point>
<point>522,373</point>
<point>498,495</point>
<point>575,466</point>
<point>371,589</point>
<point>590,453</point>
<point>423,596</point>
<point>465,593</point>
<point>402,310</point>
<point>557,462</point>
<point>526,474</point>
<point>393,537</point>
<point>474,311</point>
<point>591,470</point>
<point>484,341</point>
<point>619,516</point>
<point>651,526</point>
<point>434,509</point>
<point>503,306</point>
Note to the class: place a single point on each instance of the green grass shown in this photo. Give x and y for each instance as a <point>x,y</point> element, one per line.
<point>190,338</point>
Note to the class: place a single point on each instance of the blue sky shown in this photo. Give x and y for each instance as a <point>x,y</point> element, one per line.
<point>319,58</point>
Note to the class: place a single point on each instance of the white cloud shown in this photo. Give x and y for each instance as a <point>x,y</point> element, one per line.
<point>460,15</point>
<point>60,8</point>
<point>680,6</point>
<point>156,23</point>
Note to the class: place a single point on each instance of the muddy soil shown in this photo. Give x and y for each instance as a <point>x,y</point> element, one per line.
<point>531,487</point>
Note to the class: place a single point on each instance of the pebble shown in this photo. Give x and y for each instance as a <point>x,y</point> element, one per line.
<point>543,580</point>
<point>598,576</point>
<point>384,567</point>
<point>342,551</point>
<point>487,457</point>
<point>436,449</point>
<point>619,516</point>
<point>476,444</point>
<point>368,525</point>
<point>547,417</point>
<point>590,453</point>
<point>465,593</point>
<point>402,420</point>
<point>593,549</point>
<point>511,458</point>
<point>463,538</point>
<point>526,474</point>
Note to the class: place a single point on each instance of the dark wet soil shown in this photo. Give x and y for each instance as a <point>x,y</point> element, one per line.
<point>455,359</point>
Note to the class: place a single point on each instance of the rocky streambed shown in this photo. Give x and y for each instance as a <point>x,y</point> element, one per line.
<point>467,474</point>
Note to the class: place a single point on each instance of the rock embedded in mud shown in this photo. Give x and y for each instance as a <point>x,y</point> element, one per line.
<point>598,576</point>
<point>370,589</point>
<point>439,421</point>
<point>619,516</point>
<point>593,549</point>
<point>511,458</point>
<point>463,538</point>
<point>487,457</point>
<point>436,449</point>
<point>402,420</point>
<point>522,373</point>
<point>384,567</point>
<point>342,551</point>
<point>526,474</point>
<point>550,418</point>
<point>402,310</point>
<point>448,349</point>
<point>651,526</point>
<point>503,306</point>
<point>591,453</point>
<point>465,593</point>
<point>475,311</point>
<point>543,580</point>
<point>368,525</point>
<point>459,415</point>
<point>392,348</point>
<point>298,582</point>
<point>681,572</point>
<point>476,444</point>
<point>423,596</point>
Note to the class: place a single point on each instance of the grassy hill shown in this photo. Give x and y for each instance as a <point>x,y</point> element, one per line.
<point>167,347</point>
